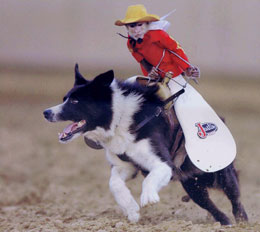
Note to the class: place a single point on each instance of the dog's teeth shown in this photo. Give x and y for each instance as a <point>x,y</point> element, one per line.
<point>62,135</point>
<point>81,123</point>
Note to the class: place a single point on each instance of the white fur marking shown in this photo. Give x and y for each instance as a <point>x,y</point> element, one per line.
<point>56,110</point>
<point>152,184</point>
<point>118,138</point>
<point>120,173</point>
<point>159,172</point>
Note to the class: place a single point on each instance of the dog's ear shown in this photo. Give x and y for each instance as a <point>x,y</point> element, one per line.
<point>79,79</point>
<point>104,79</point>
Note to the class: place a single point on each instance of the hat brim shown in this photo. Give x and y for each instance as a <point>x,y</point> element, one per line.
<point>148,18</point>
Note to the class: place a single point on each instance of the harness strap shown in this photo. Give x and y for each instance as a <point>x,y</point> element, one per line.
<point>158,110</point>
<point>149,79</point>
<point>165,102</point>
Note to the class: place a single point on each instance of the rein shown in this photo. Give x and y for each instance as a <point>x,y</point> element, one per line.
<point>185,61</point>
<point>157,66</point>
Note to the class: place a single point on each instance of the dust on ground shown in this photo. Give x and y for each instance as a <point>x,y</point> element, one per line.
<point>48,186</point>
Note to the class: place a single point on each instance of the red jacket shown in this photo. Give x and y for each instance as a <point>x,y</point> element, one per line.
<point>151,49</point>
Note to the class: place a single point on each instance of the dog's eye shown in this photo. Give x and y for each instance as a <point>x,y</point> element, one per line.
<point>74,101</point>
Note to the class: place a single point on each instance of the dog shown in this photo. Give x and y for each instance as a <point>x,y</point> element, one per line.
<point>108,112</point>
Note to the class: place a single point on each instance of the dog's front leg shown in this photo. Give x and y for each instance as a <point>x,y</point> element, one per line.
<point>157,178</point>
<point>121,193</point>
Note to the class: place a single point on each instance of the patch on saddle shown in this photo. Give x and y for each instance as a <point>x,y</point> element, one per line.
<point>205,129</point>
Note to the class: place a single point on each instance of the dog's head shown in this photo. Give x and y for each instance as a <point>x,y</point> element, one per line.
<point>87,105</point>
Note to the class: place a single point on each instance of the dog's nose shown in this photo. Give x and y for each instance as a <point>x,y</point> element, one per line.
<point>48,114</point>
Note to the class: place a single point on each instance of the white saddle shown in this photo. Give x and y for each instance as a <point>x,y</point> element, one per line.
<point>208,141</point>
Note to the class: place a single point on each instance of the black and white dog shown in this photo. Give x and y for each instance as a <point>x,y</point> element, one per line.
<point>108,111</point>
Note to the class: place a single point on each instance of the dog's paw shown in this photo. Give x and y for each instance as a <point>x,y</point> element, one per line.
<point>132,211</point>
<point>133,217</point>
<point>149,197</point>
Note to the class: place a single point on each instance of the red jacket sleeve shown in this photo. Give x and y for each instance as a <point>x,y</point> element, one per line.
<point>168,42</point>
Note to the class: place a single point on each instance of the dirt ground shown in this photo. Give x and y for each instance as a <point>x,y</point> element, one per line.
<point>48,186</point>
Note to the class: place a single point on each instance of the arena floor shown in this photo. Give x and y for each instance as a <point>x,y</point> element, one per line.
<point>48,186</point>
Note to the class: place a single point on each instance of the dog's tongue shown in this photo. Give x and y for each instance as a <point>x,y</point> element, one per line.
<point>70,127</point>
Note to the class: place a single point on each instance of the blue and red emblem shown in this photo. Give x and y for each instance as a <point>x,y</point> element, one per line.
<point>205,129</point>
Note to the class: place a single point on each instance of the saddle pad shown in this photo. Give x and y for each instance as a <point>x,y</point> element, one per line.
<point>208,141</point>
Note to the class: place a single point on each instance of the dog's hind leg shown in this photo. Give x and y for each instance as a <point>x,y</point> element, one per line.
<point>199,194</point>
<point>228,181</point>
<point>122,195</point>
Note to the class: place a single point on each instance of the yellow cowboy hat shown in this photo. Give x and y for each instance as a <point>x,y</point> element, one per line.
<point>136,13</point>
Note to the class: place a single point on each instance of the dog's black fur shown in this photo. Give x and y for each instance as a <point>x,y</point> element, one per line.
<point>94,104</point>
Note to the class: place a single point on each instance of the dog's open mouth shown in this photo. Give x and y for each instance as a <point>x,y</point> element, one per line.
<point>71,130</point>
